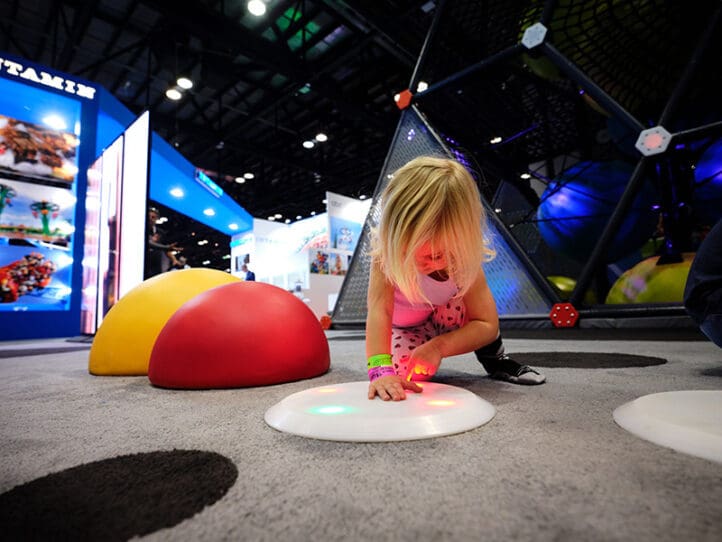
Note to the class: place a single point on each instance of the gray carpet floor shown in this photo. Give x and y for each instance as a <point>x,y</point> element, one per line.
<point>551,466</point>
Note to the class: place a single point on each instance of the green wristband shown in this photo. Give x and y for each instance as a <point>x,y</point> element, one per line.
<point>379,360</point>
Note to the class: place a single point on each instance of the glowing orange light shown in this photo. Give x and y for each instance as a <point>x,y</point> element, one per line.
<point>652,141</point>
<point>327,390</point>
<point>441,402</point>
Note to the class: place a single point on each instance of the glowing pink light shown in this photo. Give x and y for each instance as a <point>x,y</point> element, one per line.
<point>441,402</point>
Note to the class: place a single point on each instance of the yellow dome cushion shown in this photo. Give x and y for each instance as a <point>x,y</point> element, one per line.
<point>125,339</point>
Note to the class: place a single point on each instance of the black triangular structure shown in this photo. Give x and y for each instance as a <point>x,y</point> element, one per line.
<point>517,286</point>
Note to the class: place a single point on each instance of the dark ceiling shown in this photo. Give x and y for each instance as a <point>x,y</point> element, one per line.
<point>262,85</point>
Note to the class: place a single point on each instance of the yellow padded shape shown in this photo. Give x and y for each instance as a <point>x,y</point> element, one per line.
<point>125,339</point>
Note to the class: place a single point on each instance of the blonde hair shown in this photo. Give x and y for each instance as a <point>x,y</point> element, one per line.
<point>432,200</point>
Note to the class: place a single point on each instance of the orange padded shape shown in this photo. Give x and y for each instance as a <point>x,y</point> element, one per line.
<point>404,100</point>
<point>239,335</point>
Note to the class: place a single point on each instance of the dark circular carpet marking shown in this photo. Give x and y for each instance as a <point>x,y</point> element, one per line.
<point>118,498</point>
<point>585,360</point>
<point>715,371</point>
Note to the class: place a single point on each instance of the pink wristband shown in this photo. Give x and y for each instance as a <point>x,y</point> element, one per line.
<point>378,372</point>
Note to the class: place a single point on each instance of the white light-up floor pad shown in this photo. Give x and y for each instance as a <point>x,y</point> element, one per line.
<point>343,412</point>
<point>687,421</point>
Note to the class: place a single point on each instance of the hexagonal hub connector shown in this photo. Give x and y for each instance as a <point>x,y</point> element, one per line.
<point>534,35</point>
<point>653,141</point>
<point>564,315</point>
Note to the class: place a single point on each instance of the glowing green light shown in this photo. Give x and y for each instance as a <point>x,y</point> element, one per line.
<point>331,409</point>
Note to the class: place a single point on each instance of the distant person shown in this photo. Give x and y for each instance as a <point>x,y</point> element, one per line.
<point>428,297</point>
<point>703,291</point>
<point>159,256</point>
<point>250,275</point>
<point>179,263</point>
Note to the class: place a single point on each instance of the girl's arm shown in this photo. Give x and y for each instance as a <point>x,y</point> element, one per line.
<point>378,335</point>
<point>380,310</point>
<point>482,322</point>
<point>481,327</point>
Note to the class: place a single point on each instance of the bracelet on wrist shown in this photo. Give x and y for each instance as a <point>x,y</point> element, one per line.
<point>378,372</point>
<point>379,360</point>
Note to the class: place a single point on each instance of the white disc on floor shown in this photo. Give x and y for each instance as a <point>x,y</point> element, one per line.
<point>343,412</point>
<point>687,421</point>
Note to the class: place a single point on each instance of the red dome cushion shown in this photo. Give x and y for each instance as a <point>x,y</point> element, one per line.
<point>237,335</point>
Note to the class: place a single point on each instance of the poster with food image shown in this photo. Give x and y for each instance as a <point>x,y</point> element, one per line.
<point>36,152</point>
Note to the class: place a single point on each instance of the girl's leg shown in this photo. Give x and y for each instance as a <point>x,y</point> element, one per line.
<point>501,367</point>
<point>449,317</point>
<point>403,342</point>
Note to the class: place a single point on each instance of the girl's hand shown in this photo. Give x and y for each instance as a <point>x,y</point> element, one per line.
<point>392,388</point>
<point>425,360</point>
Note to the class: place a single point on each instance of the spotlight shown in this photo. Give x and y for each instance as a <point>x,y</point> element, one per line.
<point>173,94</point>
<point>256,7</point>
<point>184,83</point>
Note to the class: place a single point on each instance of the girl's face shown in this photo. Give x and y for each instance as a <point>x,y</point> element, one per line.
<point>428,261</point>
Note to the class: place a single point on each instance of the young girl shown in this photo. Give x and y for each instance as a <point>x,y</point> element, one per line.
<point>428,297</point>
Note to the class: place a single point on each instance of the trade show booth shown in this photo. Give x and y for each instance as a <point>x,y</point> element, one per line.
<point>76,171</point>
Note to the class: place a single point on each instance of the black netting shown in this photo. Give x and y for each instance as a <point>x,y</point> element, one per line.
<point>552,133</point>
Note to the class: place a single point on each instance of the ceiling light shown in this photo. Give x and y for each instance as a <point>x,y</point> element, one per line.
<point>184,83</point>
<point>177,193</point>
<point>173,94</point>
<point>248,175</point>
<point>206,262</point>
<point>209,212</point>
<point>321,137</point>
<point>288,221</point>
<point>525,176</point>
<point>362,196</point>
<point>313,213</point>
<point>256,7</point>
<point>271,218</point>
<point>240,180</point>
<point>308,144</point>
<point>495,140</point>
<point>422,86</point>
<point>298,217</point>
<point>278,215</point>
<point>233,226</point>
<point>397,97</point>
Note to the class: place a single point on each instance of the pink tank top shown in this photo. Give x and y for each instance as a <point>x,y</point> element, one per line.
<point>408,314</point>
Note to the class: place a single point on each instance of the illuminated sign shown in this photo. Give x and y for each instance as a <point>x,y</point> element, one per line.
<point>15,69</point>
<point>208,183</point>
